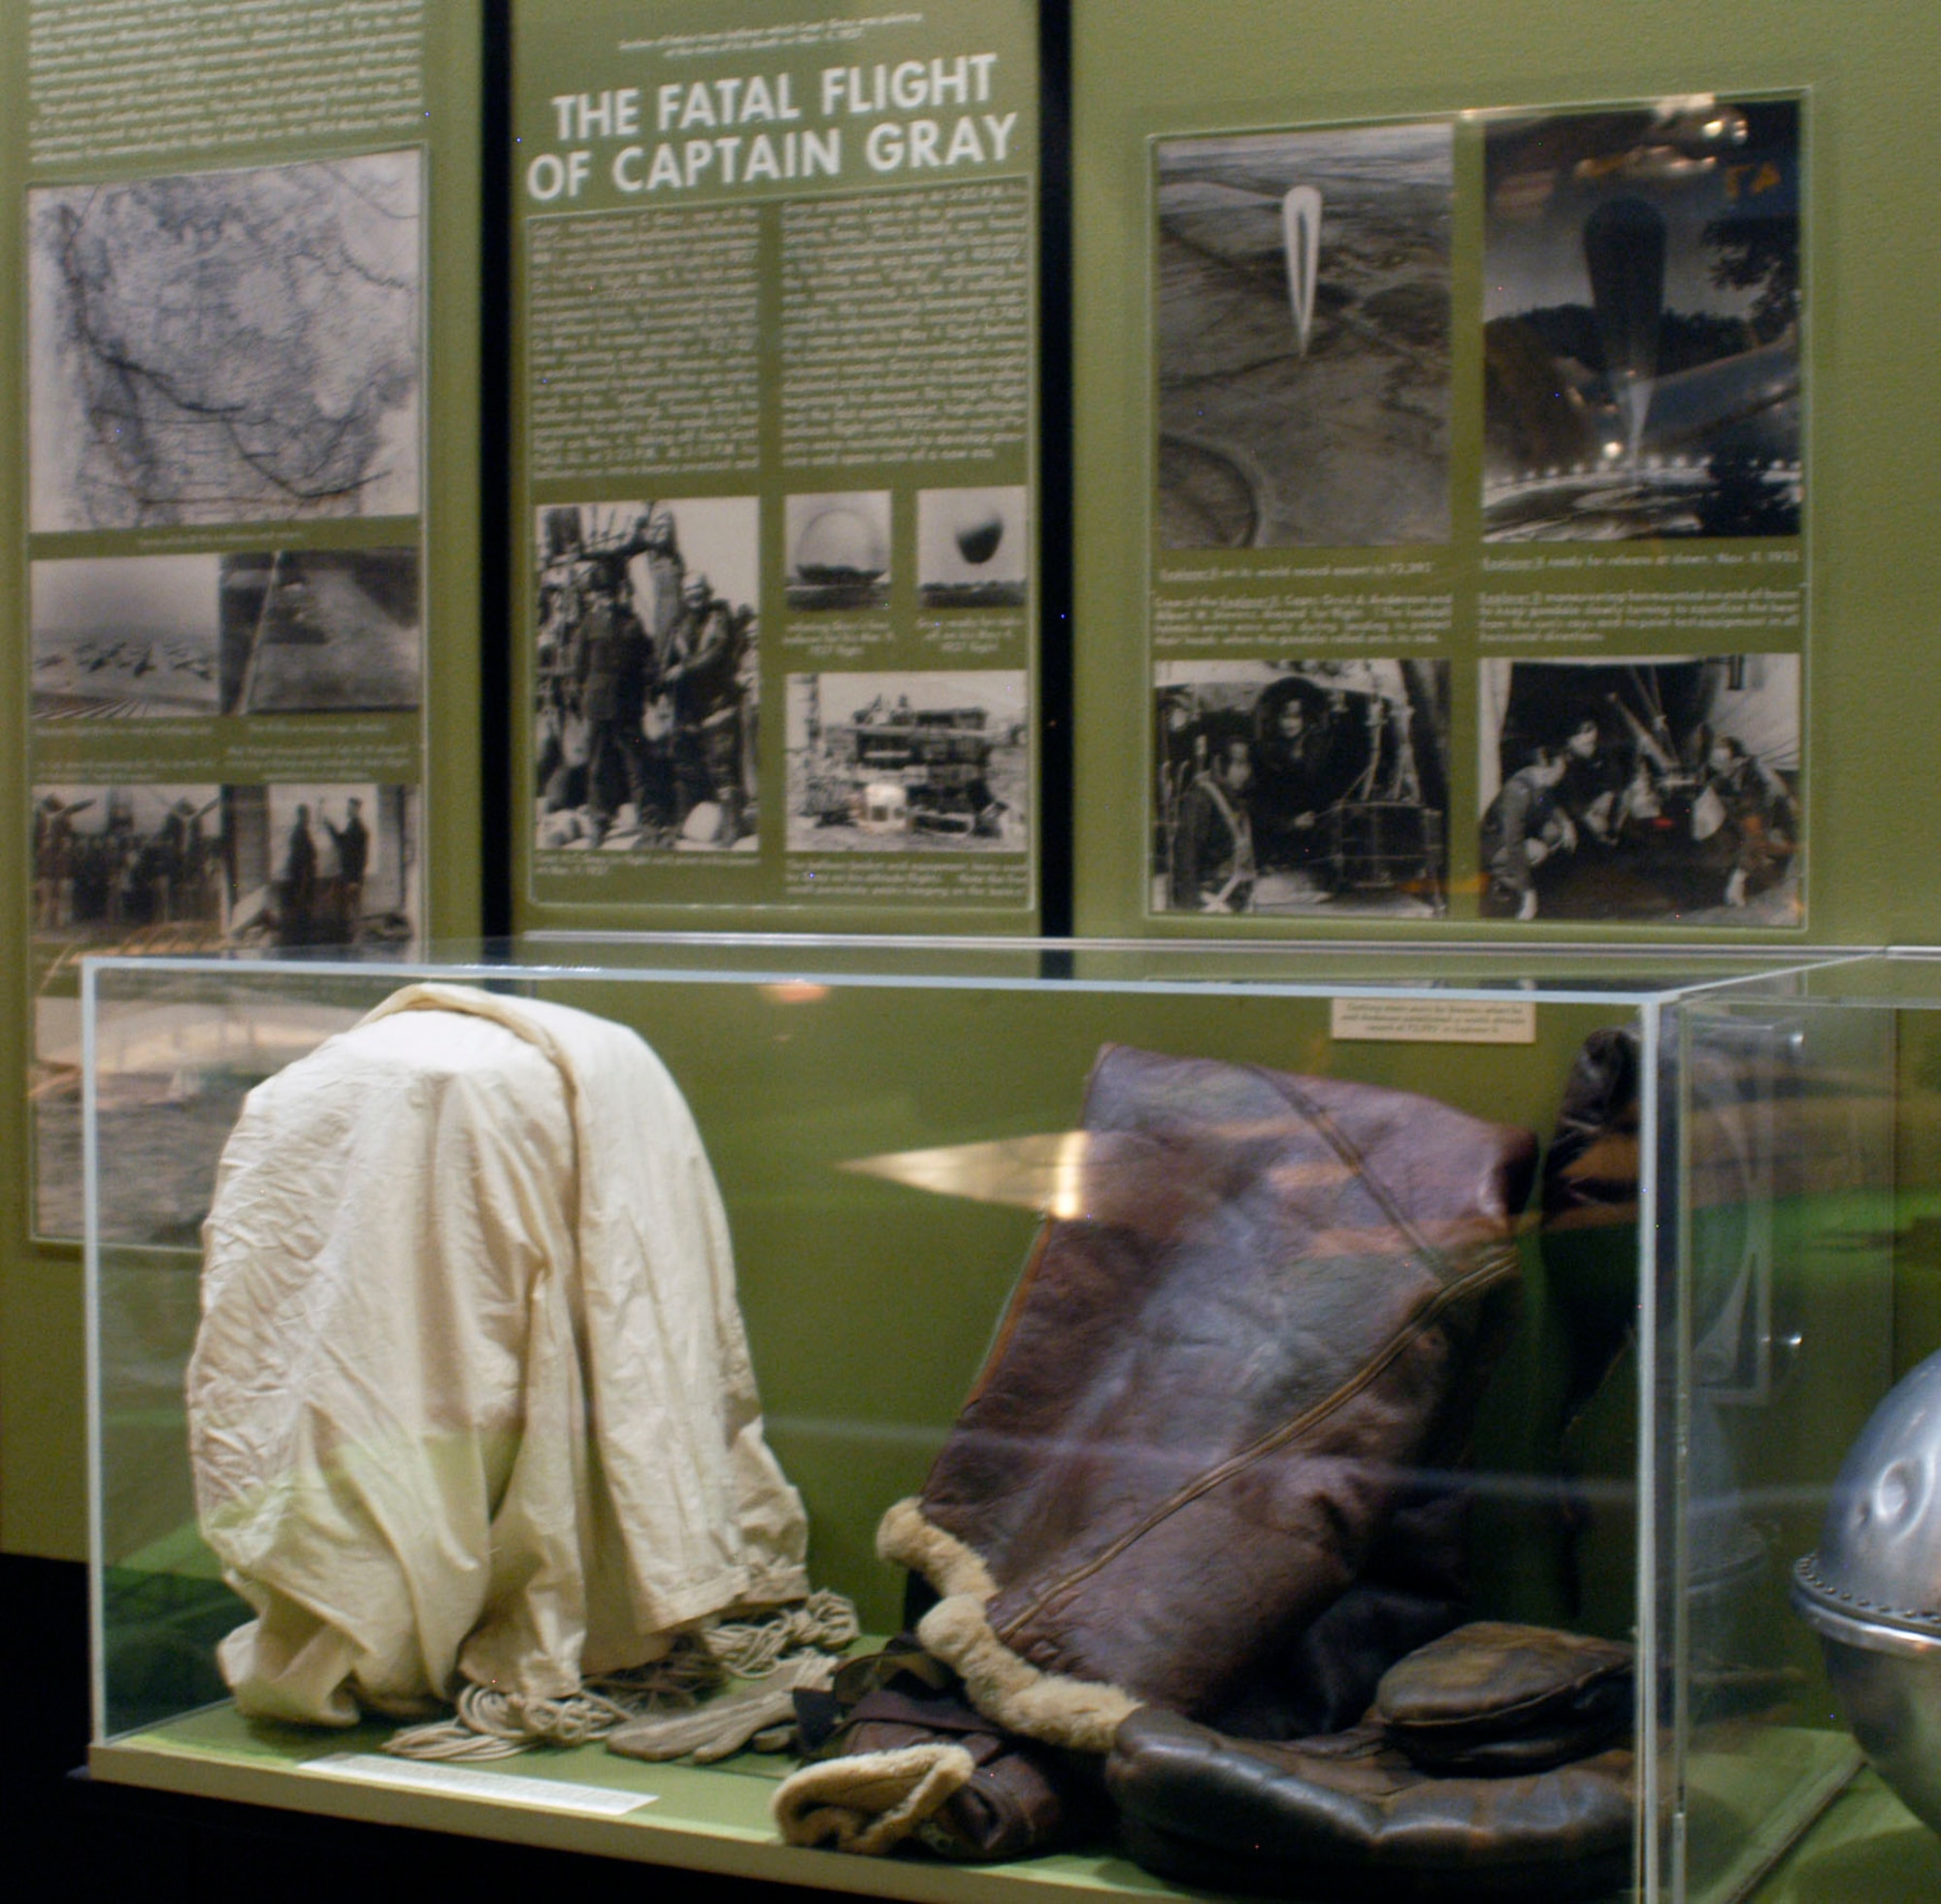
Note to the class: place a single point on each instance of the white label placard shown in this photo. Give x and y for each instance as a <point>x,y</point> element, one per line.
<point>474,1782</point>
<point>1437,1020</point>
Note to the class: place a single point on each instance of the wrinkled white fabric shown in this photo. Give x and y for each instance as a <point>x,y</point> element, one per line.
<point>471,1398</point>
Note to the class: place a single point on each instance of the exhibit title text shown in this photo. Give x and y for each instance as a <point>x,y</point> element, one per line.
<point>914,115</point>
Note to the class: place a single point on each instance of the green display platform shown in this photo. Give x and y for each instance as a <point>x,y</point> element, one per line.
<point>1867,1846</point>
<point>1826,1844</point>
<point>711,1819</point>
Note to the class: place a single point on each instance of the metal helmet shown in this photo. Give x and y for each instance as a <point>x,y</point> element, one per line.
<point>1872,1589</point>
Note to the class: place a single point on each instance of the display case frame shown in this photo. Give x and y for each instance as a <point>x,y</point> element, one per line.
<point>1739,1056</point>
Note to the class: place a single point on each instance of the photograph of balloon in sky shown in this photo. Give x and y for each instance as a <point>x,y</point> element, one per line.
<point>1642,304</point>
<point>973,547</point>
<point>838,550</point>
<point>1302,328</point>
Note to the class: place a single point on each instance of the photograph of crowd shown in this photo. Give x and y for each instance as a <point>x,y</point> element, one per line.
<point>910,763</point>
<point>838,550</point>
<point>226,346</point>
<point>195,868</point>
<point>1657,791</point>
<point>1302,328</point>
<point>973,547</point>
<point>1642,310</point>
<point>1285,787</point>
<point>648,680</point>
<point>129,868</point>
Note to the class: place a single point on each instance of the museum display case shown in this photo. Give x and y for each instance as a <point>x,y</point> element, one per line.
<point>1679,1219</point>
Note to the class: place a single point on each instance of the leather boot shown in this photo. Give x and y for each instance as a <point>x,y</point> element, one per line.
<point>1495,1763</point>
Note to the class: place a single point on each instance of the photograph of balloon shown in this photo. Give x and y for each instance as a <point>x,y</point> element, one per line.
<point>838,550</point>
<point>1656,790</point>
<point>1642,304</point>
<point>1286,787</point>
<point>972,548</point>
<point>1301,331</point>
<point>915,763</point>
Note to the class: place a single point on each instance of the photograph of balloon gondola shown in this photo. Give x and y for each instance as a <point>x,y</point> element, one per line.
<point>929,760</point>
<point>1643,298</point>
<point>1301,337</point>
<point>1658,791</point>
<point>1294,787</point>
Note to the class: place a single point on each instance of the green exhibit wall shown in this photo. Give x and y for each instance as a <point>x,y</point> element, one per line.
<point>1866,71</point>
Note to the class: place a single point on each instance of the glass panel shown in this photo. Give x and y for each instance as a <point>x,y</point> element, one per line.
<point>1780,1339</point>
<point>889,1125</point>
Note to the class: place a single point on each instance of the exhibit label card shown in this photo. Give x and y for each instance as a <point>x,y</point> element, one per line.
<point>776,414</point>
<point>1446,466</point>
<point>246,463</point>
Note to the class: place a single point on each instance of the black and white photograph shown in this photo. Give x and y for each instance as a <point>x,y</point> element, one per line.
<point>264,632</point>
<point>1662,791</point>
<point>322,631</point>
<point>226,346</point>
<point>1301,318</point>
<point>331,865</point>
<point>1290,787</point>
<point>910,763</point>
<point>170,1080</point>
<point>838,550</point>
<point>973,547</point>
<point>1642,303</point>
<point>126,637</point>
<point>648,677</point>
<point>130,868</point>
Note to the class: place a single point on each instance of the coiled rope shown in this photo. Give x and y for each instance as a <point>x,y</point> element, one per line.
<point>493,1724</point>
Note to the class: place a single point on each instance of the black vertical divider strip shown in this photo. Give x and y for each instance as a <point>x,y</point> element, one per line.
<point>496,712</point>
<point>1055,469</point>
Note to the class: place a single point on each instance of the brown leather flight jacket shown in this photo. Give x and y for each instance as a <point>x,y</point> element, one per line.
<point>1219,1397</point>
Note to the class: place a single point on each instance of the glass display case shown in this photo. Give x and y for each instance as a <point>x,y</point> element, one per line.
<point>1723,1252</point>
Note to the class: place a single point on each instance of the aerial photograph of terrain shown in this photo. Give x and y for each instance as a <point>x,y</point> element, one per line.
<point>1302,338</point>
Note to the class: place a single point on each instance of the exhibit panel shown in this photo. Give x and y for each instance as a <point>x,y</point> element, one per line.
<point>776,476</point>
<point>241,508</point>
<point>1262,1388</point>
<point>1492,467</point>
